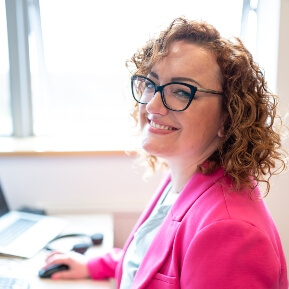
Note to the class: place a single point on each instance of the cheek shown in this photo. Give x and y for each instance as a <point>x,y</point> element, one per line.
<point>204,123</point>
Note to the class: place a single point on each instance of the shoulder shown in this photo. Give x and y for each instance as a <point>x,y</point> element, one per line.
<point>225,213</point>
<point>233,253</point>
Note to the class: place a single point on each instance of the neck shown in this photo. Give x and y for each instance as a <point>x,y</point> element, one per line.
<point>181,177</point>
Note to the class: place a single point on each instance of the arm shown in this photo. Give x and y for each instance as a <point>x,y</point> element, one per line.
<point>231,254</point>
<point>104,266</point>
<point>80,267</point>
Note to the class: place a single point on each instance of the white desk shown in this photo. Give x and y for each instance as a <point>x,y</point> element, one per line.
<point>28,268</point>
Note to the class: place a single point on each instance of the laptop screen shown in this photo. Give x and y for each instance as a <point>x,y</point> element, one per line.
<point>3,205</point>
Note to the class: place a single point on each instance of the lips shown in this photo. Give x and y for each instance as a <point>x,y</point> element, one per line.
<point>161,126</point>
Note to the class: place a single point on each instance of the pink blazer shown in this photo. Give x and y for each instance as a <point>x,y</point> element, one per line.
<point>212,238</point>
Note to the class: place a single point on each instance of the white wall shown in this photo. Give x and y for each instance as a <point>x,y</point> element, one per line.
<point>277,60</point>
<point>76,183</point>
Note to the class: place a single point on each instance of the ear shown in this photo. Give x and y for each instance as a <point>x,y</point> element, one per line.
<point>221,131</point>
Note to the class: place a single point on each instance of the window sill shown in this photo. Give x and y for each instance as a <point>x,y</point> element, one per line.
<point>49,146</point>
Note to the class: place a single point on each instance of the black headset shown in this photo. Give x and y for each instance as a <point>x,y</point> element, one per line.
<point>92,240</point>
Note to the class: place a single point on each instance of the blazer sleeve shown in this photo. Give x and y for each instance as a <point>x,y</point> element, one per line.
<point>103,267</point>
<point>232,254</point>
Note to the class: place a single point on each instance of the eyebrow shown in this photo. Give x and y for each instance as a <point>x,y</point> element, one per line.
<point>178,79</point>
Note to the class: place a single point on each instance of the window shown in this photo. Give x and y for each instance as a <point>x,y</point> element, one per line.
<point>249,25</point>
<point>78,84</point>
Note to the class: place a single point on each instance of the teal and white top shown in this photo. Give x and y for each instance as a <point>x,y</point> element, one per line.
<point>144,237</point>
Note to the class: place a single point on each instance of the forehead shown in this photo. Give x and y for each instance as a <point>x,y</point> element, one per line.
<point>185,59</point>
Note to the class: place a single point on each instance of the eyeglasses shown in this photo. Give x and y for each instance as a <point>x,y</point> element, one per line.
<point>176,96</point>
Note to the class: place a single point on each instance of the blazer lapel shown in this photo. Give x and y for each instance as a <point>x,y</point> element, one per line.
<point>162,244</point>
<point>142,218</point>
<point>157,253</point>
<point>196,186</point>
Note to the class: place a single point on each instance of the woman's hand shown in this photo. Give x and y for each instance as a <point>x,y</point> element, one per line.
<point>76,262</point>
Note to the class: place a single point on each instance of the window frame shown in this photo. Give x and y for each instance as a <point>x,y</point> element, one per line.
<point>20,82</point>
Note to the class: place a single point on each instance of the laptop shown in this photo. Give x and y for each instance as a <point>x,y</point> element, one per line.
<point>24,234</point>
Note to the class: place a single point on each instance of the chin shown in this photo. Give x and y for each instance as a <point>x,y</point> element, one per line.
<point>153,149</point>
<point>149,147</point>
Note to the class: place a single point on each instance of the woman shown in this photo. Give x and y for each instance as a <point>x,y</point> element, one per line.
<point>205,111</point>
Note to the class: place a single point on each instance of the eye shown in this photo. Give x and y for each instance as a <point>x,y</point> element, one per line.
<point>149,85</point>
<point>180,92</point>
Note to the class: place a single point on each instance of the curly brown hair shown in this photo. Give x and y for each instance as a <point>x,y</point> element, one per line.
<point>251,147</point>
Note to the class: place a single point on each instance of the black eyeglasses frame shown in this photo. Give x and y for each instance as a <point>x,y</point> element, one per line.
<point>160,88</point>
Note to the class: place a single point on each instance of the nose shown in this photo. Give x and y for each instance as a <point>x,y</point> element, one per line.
<point>156,106</point>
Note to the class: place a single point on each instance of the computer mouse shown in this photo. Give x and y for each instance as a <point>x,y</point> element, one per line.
<point>47,272</point>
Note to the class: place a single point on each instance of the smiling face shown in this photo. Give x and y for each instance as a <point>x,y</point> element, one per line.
<point>188,137</point>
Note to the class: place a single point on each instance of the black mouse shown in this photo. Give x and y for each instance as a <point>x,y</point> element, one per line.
<point>47,272</point>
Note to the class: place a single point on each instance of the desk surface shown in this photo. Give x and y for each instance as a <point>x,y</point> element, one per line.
<point>79,223</point>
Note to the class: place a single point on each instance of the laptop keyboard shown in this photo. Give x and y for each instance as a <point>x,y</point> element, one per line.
<point>11,232</point>
<point>13,283</point>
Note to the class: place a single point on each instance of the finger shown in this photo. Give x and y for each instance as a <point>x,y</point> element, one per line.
<point>58,257</point>
<point>58,260</point>
<point>63,275</point>
<point>52,254</point>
